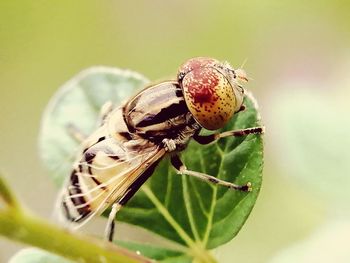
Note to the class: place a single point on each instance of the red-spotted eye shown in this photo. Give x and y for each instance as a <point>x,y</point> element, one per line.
<point>195,63</point>
<point>210,91</point>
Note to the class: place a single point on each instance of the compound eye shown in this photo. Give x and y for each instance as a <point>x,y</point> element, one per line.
<point>194,64</point>
<point>209,97</point>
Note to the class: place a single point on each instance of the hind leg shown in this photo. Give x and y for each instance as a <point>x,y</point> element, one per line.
<point>109,231</point>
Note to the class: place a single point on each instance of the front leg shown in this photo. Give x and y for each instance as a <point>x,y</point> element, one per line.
<point>104,111</point>
<point>77,134</point>
<point>181,168</point>
<point>169,145</point>
<point>206,139</point>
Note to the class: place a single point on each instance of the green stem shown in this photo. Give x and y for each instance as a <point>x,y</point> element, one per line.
<point>21,226</point>
<point>36,232</point>
<point>7,196</point>
<point>200,255</point>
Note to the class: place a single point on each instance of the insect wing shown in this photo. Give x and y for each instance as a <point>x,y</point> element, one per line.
<point>106,178</point>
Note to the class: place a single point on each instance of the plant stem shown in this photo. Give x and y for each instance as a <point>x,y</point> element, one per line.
<point>36,232</point>
<point>200,255</point>
<point>21,226</point>
<point>7,196</point>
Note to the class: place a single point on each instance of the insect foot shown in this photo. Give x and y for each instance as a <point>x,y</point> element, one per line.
<point>245,188</point>
<point>169,145</point>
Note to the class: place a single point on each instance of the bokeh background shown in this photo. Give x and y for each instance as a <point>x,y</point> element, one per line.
<point>298,56</point>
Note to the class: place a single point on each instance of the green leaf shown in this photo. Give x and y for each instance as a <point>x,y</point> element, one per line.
<point>195,215</point>
<point>315,141</point>
<point>78,103</point>
<point>34,255</point>
<point>155,252</point>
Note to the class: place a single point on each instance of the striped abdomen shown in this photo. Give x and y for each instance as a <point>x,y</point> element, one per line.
<point>105,170</point>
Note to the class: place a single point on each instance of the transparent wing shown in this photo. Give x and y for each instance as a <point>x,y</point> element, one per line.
<point>103,176</point>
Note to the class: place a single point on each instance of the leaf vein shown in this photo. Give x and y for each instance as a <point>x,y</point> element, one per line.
<point>199,198</point>
<point>188,207</point>
<point>168,217</point>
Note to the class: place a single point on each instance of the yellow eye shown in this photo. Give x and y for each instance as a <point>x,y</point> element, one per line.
<point>209,96</point>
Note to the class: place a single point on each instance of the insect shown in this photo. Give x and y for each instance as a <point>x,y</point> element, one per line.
<point>160,120</point>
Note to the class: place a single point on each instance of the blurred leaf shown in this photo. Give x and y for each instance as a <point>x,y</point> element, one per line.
<point>34,255</point>
<point>328,244</point>
<point>158,253</point>
<point>314,138</point>
<point>78,103</point>
<point>192,213</point>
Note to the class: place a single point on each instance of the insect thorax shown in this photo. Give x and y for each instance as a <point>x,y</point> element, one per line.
<point>159,112</point>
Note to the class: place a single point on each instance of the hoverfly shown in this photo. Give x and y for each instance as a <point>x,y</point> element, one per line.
<point>160,120</point>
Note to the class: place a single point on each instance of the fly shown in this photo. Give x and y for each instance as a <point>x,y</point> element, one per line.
<point>118,158</point>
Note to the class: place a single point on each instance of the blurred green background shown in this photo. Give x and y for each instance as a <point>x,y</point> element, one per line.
<point>298,55</point>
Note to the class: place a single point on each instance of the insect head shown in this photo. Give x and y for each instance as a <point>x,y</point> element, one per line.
<point>211,90</point>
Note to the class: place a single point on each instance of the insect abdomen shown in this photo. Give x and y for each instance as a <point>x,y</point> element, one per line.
<point>74,204</point>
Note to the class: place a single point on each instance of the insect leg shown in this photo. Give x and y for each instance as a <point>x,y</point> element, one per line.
<point>181,168</point>
<point>75,133</point>
<point>242,108</point>
<point>206,139</point>
<point>109,231</point>
<point>104,111</point>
